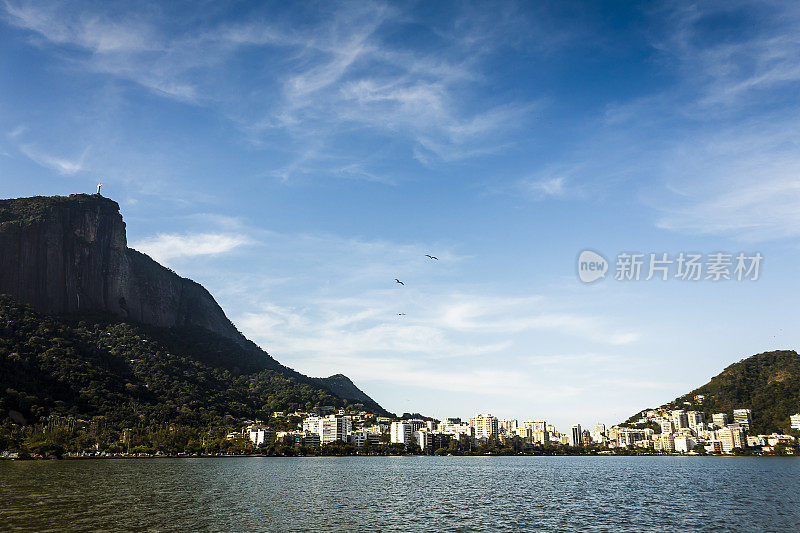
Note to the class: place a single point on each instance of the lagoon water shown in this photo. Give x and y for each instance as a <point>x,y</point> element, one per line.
<point>403,494</point>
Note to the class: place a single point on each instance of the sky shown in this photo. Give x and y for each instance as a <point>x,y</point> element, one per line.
<point>296,158</point>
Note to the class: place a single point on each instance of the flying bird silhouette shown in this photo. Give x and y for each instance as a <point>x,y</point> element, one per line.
<point>398,281</point>
<point>431,257</point>
<point>401,314</point>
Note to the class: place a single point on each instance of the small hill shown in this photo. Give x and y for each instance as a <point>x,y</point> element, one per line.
<point>341,385</point>
<point>767,383</point>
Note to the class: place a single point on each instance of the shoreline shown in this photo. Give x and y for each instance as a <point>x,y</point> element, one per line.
<point>158,457</point>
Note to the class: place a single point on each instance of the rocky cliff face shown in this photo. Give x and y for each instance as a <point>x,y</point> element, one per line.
<point>70,254</point>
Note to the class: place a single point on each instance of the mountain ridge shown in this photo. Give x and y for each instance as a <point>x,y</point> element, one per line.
<point>67,259</point>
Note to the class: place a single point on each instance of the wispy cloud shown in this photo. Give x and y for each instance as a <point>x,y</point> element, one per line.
<point>715,147</point>
<point>166,247</point>
<point>546,187</point>
<point>726,72</point>
<point>62,165</point>
<point>741,182</point>
<point>334,72</point>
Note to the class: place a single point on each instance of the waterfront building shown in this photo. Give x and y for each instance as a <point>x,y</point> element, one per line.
<point>311,424</point>
<point>775,439</point>
<point>680,419</point>
<point>306,438</point>
<point>720,419</point>
<point>795,421</point>
<point>333,428</point>
<point>486,426</point>
<point>696,419</point>
<point>362,437</point>
<point>684,444</point>
<point>625,437</point>
<point>507,426</point>
<point>743,417</point>
<point>400,433</point>
<point>535,431</point>
<point>731,437</point>
<point>454,427</point>
<point>577,435</point>
<point>667,443</point>
<point>667,425</point>
<point>329,428</point>
<point>417,424</point>
<point>259,435</point>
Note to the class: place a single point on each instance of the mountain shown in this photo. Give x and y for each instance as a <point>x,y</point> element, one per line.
<point>341,386</point>
<point>767,383</point>
<point>69,254</point>
<point>92,328</point>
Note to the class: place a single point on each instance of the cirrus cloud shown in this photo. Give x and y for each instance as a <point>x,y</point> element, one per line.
<point>170,246</point>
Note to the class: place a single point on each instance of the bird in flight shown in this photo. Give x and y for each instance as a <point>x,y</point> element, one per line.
<point>398,281</point>
<point>431,257</point>
<point>401,314</point>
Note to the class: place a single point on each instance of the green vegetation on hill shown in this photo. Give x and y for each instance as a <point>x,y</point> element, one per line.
<point>26,210</point>
<point>767,383</point>
<point>131,375</point>
<point>341,385</point>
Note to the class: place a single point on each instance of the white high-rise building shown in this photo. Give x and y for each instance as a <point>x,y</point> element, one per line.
<point>259,435</point>
<point>454,426</point>
<point>507,426</point>
<point>401,433</point>
<point>577,435</point>
<point>599,434</point>
<point>680,419</point>
<point>731,437</point>
<point>417,424</point>
<point>795,421</point>
<point>311,424</point>
<point>535,431</point>
<point>329,428</point>
<point>697,422</point>
<point>486,426</point>
<point>720,419</point>
<point>684,444</point>
<point>695,418</point>
<point>423,438</point>
<point>667,426</point>
<point>333,428</point>
<point>743,417</point>
<point>667,442</point>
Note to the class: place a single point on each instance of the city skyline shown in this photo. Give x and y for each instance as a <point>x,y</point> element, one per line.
<point>296,160</point>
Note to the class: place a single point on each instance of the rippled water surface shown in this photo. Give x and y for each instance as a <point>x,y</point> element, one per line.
<point>403,493</point>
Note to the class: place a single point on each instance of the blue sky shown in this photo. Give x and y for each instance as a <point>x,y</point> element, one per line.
<point>295,159</point>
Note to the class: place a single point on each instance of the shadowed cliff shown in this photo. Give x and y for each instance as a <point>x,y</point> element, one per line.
<point>93,299</point>
<point>64,255</point>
